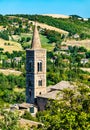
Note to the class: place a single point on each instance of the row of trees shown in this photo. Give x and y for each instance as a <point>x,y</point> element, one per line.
<point>14,60</point>
<point>73,26</point>
<point>66,66</point>
<point>53,36</point>
<point>4,35</point>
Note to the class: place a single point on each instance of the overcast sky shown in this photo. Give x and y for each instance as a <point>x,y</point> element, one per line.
<point>67,7</point>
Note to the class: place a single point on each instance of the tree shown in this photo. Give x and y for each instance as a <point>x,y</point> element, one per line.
<point>28,39</point>
<point>9,121</point>
<point>1,50</point>
<point>69,112</point>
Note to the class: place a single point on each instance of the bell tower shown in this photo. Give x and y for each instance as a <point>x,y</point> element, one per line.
<point>35,69</point>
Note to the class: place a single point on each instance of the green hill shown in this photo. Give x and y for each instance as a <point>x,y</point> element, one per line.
<point>18,28</point>
<point>73,25</point>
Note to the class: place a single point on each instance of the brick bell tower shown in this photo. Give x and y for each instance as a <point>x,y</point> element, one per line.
<point>35,69</point>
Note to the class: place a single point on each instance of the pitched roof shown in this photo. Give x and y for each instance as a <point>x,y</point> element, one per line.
<point>25,105</point>
<point>55,92</point>
<point>62,85</point>
<point>52,95</point>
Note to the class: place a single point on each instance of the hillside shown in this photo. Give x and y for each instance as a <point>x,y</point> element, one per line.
<point>73,25</point>
<point>16,35</point>
<point>42,25</point>
<point>57,15</point>
<point>10,46</point>
<point>67,41</point>
<point>70,26</point>
<point>84,43</point>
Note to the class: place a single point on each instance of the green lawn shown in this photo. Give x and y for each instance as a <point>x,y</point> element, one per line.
<point>3,57</point>
<point>45,43</point>
<point>26,35</point>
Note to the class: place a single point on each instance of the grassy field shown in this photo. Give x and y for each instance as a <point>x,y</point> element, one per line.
<point>42,25</point>
<point>9,71</point>
<point>86,69</point>
<point>84,43</point>
<point>10,46</point>
<point>26,35</point>
<point>45,43</point>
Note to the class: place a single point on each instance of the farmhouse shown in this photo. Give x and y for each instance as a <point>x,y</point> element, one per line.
<point>84,61</point>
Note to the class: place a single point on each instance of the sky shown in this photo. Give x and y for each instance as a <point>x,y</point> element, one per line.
<point>66,7</point>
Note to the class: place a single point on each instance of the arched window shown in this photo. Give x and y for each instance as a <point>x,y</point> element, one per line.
<point>40,83</point>
<point>39,66</point>
<point>40,93</point>
<point>30,66</point>
<point>29,83</point>
<point>30,92</point>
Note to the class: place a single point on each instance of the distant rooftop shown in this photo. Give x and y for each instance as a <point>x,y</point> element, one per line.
<point>54,92</point>
<point>29,123</point>
<point>52,95</point>
<point>62,85</point>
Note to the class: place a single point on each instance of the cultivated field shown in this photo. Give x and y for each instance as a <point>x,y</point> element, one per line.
<point>45,43</point>
<point>57,15</point>
<point>50,27</point>
<point>10,46</point>
<point>9,71</point>
<point>84,43</point>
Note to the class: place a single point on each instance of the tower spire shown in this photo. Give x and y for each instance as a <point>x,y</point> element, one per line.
<point>36,44</point>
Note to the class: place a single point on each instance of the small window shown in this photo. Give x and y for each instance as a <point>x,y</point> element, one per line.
<point>29,83</point>
<point>31,109</point>
<point>40,93</point>
<point>40,83</point>
<point>39,66</point>
<point>30,66</point>
<point>30,92</point>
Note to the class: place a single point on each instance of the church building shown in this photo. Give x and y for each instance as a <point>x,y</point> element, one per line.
<point>36,91</point>
<point>35,69</point>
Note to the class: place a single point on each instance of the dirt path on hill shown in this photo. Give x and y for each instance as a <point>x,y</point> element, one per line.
<point>50,27</point>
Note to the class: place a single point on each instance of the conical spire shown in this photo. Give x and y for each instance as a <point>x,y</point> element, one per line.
<point>36,44</point>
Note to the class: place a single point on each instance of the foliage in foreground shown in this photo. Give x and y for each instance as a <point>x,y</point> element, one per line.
<point>9,121</point>
<point>7,86</point>
<point>70,113</point>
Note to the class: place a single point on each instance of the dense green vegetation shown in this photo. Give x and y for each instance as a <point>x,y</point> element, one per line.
<point>72,25</point>
<point>67,66</point>
<point>9,121</point>
<point>70,113</point>
<point>7,86</point>
<point>73,110</point>
<point>4,35</point>
<point>14,60</point>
